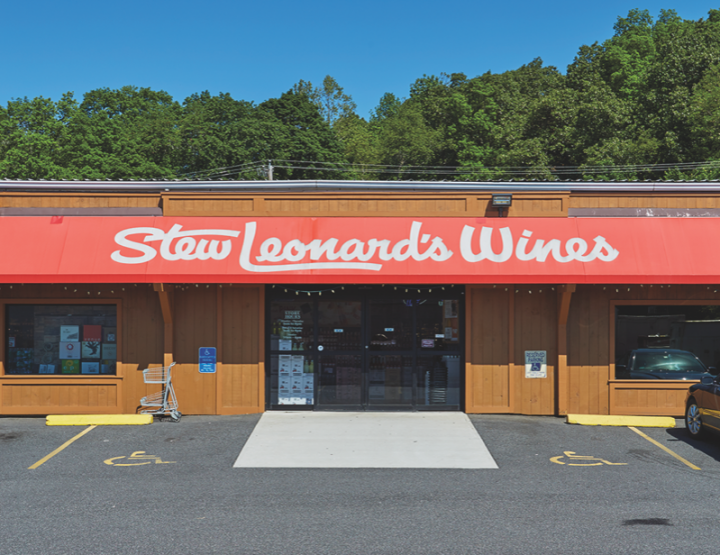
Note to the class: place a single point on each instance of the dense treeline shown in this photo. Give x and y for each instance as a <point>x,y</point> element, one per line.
<point>642,104</point>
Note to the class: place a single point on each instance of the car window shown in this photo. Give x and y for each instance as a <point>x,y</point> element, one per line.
<point>668,362</point>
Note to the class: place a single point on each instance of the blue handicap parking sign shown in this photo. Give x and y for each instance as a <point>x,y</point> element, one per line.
<point>207,360</point>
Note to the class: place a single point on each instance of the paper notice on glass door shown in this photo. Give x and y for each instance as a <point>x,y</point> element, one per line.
<point>296,384</point>
<point>308,383</point>
<point>297,364</point>
<point>286,364</point>
<point>376,391</point>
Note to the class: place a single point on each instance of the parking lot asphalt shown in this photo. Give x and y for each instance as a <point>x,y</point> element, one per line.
<point>559,488</point>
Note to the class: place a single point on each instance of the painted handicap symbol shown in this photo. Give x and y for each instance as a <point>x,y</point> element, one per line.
<point>586,460</point>
<point>138,458</point>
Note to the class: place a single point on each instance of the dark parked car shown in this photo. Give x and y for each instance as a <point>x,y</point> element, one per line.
<point>663,364</point>
<point>702,408</point>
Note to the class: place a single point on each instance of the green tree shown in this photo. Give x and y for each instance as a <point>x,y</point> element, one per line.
<point>128,133</point>
<point>405,140</point>
<point>361,148</point>
<point>222,138</point>
<point>33,134</point>
<point>387,107</point>
<point>330,98</point>
<point>299,136</point>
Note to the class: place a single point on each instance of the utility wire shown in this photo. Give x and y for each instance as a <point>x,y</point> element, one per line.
<point>516,171</point>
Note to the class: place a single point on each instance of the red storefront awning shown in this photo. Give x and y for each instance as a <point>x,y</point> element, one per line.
<point>358,250</point>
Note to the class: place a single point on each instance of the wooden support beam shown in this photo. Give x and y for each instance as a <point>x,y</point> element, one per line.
<point>219,350</point>
<point>566,292</point>
<point>563,376</point>
<point>512,382</point>
<point>165,294</point>
<point>261,350</point>
<point>469,375</point>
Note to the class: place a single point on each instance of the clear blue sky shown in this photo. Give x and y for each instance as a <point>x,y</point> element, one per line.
<point>258,50</point>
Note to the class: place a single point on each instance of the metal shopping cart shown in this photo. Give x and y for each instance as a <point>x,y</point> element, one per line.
<point>163,402</point>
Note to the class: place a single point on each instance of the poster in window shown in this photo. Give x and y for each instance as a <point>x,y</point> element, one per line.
<point>308,384</point>
<point>284,390</point>
<point>70,350</point>
<point>297,364</point>
<point>110,336</point>
<point>24,360</point>
<point>376,391</point>
<point>70,367</point>
<point>109,351</point>
<point>90,349</point>
<point>90,367</point>
<point>92,333</point>
<point>285,364</point>
<point>69,333</point>
<point>451,309</point>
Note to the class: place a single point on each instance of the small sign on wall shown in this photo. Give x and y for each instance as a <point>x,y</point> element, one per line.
<point>536,364</point>
<point>207,358</point>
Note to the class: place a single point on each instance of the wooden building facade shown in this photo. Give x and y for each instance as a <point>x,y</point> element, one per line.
<point>505,316</point>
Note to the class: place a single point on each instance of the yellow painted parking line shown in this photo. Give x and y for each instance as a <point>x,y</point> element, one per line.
<point>673,453</point>
<point>51,455</point>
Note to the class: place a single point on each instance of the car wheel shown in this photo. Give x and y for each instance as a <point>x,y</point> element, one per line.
<point>693,422</point>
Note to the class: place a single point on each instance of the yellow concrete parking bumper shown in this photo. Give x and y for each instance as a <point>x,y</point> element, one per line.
<point>99,419</point>
<point>608,420</point>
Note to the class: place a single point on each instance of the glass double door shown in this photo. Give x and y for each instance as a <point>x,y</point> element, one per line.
<point>366,351</point>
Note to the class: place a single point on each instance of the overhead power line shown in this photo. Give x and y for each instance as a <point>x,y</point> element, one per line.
<point>380,169</point>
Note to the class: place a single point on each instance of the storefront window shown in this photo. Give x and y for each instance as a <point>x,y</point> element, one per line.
<point>365,347</point>
<point>61,339</point>
<point>655,342</point>
<point>292,367</point>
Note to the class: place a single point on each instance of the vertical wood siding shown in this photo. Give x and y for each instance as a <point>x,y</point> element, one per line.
<point>241,387</point>
<point>487,361</point>
<point>195,325</point>
<point>142,342</point>
<point>588,332</point>
<point>535,330</point>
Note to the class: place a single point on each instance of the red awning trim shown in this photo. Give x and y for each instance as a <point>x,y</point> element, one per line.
<point>358,250</point>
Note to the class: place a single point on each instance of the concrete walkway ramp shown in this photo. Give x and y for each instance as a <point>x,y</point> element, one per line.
<point>365,440</point>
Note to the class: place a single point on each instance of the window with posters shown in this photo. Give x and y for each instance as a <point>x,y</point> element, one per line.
<point>364,347</point>
<point>61,339</point>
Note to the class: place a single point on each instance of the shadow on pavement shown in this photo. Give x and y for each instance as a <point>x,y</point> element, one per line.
<point>710,445</point>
